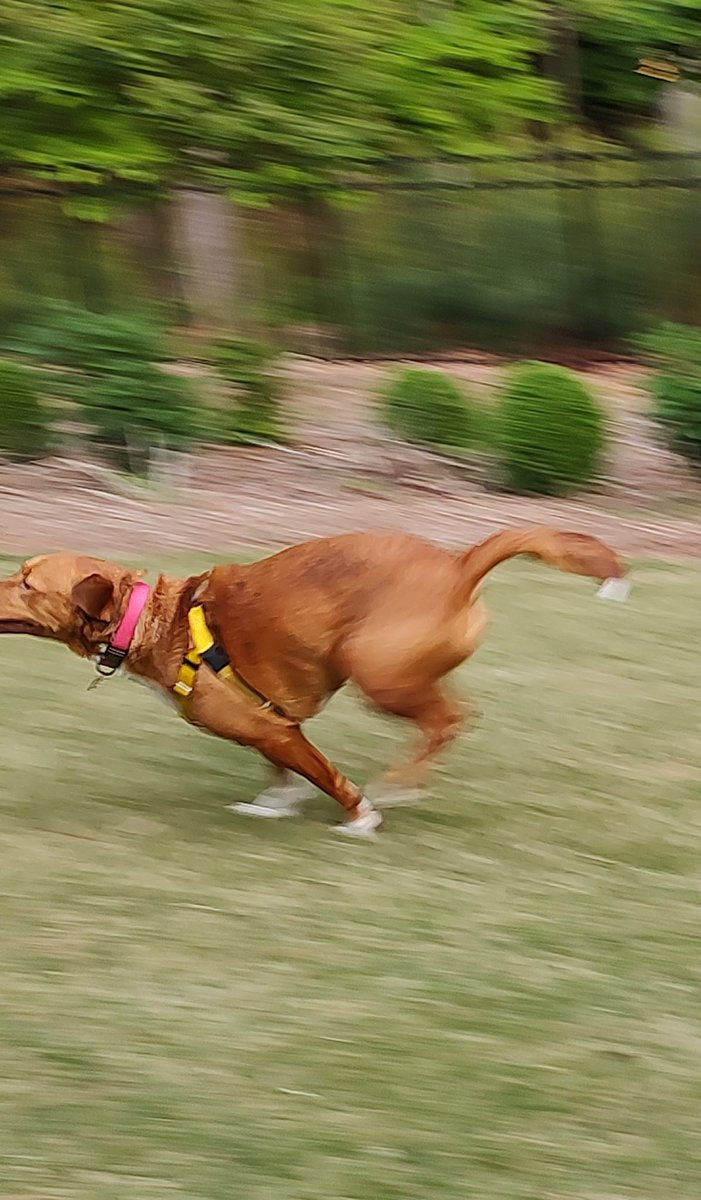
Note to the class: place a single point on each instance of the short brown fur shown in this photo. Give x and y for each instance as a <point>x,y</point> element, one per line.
<point>391,613</point>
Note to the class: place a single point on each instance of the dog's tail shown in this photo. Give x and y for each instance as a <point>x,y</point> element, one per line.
<point>574,552</point>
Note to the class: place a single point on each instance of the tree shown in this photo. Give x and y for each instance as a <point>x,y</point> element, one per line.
<point>457,79</point>
<point>258,97</point>
<point>609,41</point>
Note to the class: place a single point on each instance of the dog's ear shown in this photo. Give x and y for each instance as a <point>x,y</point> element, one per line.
<point>93,598</point>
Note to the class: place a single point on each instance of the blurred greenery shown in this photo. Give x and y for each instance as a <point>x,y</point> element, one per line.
<point>119,375</point>
<point>512,269</point>
<point>24,425</point>
<point>122,105</point>
<point>268,98</point>
<point>111,368</point>
<point>550,430</point>
<point>117,107</point>
<point>674,353</point>
<point>610,38</point>
<point>278,97</point>
<point>429,408</point>
<point>251,412</point>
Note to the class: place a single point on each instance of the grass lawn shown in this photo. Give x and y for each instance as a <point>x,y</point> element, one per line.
<point>499,999</point>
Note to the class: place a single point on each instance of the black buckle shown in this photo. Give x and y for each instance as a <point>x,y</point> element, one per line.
<point>110,661</point>
<point>216,658</point>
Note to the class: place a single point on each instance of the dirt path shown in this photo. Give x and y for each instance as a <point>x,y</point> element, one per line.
<point>344,474</point>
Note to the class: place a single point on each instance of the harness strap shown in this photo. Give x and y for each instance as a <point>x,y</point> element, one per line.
<point>204,649</point>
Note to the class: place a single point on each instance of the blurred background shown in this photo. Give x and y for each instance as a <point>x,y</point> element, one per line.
<point>270,272</point>
<point>358,179</point>
<point>204,221</point>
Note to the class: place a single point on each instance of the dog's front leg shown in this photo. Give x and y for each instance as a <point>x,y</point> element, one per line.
<point>218,708</point>
<point>288,749</point>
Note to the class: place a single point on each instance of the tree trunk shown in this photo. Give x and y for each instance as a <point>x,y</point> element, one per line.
<point>207,243</point>
<point>562,62</point>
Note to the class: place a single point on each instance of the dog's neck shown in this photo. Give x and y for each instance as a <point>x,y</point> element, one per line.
<point>161,639</point>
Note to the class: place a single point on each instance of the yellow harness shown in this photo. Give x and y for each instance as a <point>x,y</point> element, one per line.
<point>204,649</point>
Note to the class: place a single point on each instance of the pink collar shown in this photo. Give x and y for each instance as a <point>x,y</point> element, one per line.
<point>127,626</point>
<point>116,651</point>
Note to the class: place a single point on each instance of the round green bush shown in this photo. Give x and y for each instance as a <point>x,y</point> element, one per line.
<point>550,430</point>
<point>674,353</point>
<point>677,410</point>
<point>428,408</point>
<point>24,431</point>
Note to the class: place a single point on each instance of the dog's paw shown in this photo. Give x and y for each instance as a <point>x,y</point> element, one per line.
<point>614,589</point>
<point>274,803</point>
<point>364,825</point>
<point>253,809</point>
<point>394,795</point>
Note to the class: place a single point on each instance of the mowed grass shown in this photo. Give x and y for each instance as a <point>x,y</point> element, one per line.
<point>500,998</point>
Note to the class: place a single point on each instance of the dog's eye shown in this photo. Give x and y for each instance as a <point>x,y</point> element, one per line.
<point>25,586</point>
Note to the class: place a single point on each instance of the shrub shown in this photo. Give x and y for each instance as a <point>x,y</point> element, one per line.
<point>252,413</point>
<point>91,343</point>
<point>24,430</point>
<point>109,367</point>
<point>131,413</point>
<point>550,430</point>
<point>674,352</point>
<point>427,407</point>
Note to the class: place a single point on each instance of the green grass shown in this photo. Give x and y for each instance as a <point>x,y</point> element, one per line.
<point>499,999</point>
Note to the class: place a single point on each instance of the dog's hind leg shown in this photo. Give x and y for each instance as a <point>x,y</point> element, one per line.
<point>439,719</point>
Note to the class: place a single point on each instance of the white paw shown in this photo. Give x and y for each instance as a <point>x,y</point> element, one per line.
<point>260,810</point>
<point>275,802</point>
<point>364,825</point>
<point>614,589</point>
<point>393,795</point>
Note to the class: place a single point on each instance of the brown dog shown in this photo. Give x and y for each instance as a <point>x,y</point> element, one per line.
<point>391,613</point>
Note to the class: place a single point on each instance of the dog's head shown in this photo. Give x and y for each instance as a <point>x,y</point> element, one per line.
<point>66,597</point>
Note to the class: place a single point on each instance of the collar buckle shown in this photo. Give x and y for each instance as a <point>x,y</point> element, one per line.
<point>109,661</point>
<point>112,656</point>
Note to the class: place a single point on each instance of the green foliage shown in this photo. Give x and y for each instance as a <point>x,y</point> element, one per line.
<point>493,269</point>
<point>86,343</point>
<point>550,430</point>
<point>427,407</point>
<point>112,368</point>
<point>278,99</point>
<point>252,412</point>
<point>286,95</point>
<point>133,412</point>
<point>674,352</point>
<point>671,346</point>
<point>115,101</point>
<point>610,40</point>
<point>463,72</point>
<point>24,431</point>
